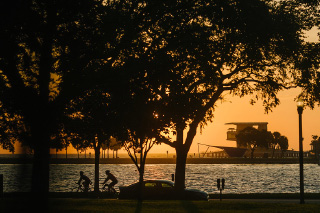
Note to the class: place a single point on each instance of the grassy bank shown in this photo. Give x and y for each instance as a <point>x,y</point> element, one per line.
<point>164,161</point>
<point>108,205</point>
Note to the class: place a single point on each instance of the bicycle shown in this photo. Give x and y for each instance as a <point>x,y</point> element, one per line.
<point>109,191</point>
<point>81,188</point>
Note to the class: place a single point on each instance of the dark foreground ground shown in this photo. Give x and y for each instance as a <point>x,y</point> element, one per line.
<point>216,196</point>
<point>153,206</point>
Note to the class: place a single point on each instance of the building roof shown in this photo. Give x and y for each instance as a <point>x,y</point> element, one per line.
<point>250,123</point>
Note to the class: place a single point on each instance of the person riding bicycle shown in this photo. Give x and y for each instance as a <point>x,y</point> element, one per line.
<point>86,181</point>
<point>113,179</point>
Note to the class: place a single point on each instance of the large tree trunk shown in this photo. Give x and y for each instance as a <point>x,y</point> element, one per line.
<point>143,156</point>
<point>180,175</point>
<point>182,150</point>
<point>141,174</point>
<point>40,170</point>
<point>141,168</point>
<point>40,131</point>
<point>181,161</point>
<point>41,122</point>
<point>96,168</point>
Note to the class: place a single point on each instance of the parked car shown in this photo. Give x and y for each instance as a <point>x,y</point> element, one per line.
<point>160,189</point>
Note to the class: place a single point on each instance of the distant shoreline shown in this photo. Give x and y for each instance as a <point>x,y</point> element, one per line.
<point>29,160</point>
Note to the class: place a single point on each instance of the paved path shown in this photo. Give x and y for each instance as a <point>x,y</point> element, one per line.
<point>311,201</point>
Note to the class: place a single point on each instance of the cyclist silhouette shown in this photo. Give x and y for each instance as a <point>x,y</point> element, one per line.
<point>86,181</point>
<point>113,179</point>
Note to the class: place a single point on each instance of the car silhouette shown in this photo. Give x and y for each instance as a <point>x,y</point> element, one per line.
<point>160,190</point>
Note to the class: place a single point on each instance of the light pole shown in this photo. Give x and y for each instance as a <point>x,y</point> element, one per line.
<point>300,106</point>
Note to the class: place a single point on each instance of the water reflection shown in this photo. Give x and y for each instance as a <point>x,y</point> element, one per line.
<point>266,178</point>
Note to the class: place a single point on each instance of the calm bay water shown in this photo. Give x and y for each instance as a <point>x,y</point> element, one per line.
<point>240,178</point>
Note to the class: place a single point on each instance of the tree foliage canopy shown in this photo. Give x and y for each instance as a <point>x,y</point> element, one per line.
<point>252,138</point>
<point>127,61</point>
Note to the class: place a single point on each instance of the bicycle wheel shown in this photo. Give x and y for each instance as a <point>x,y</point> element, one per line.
<point>77,189</point>
<point>105,188</point>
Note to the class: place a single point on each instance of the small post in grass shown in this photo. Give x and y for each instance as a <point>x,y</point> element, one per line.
<point>220,186</point>
<point>1,185</point>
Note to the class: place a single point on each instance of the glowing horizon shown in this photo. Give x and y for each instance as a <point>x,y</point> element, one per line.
<point>283,118</point>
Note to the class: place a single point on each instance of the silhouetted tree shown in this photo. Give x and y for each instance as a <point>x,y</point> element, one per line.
<point>93,122</point>
<point>114,145</point>
<point>249,138</point>
<point>308,64</point>
<point>56,144</point>
<point>12,130</point>
<point>308,75</point>
<point>142,129</point>
<point>284,144</point>
<point>138,144</point>
<point>274,145</point>
<point>79,143</point>
<point>252,138</point>
<point>192,54</point>
<point>189,54</point>
<point>208,50</point>
<point>280,142</point>
<point>44,49</point>
<point>315,143</point>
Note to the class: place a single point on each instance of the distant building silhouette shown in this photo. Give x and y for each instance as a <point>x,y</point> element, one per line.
<point>240,151</point>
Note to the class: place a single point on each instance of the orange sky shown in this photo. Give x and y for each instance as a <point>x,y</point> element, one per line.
<point>283,119</point>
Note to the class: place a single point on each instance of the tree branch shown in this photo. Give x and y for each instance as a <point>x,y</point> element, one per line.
<point>235,71</point>
<point>133,157</point>
<point>169,143</point>
<point>200,116</point>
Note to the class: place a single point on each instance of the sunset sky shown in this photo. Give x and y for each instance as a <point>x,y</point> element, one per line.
<point>283,119</point>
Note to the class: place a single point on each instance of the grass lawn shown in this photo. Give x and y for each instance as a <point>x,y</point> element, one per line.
<point>127,206</point>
